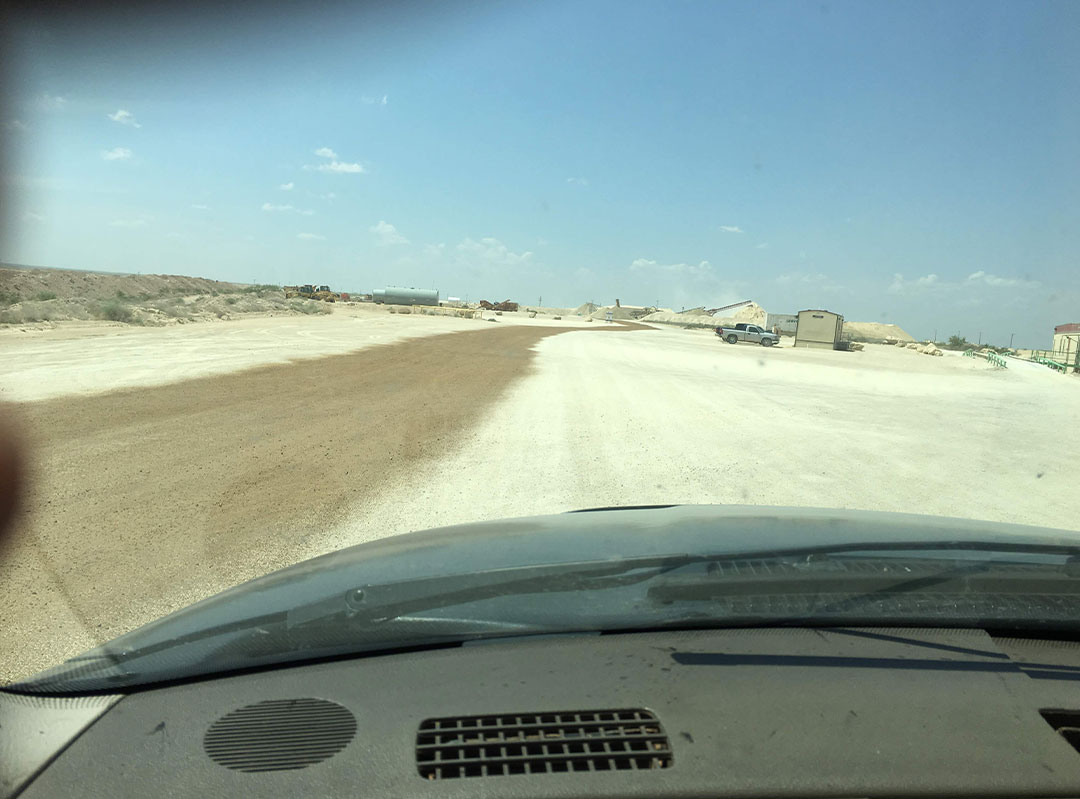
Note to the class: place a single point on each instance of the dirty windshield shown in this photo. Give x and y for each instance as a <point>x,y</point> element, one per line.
<point>562,256</point>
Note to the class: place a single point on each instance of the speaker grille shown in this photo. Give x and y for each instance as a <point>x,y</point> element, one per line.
<point>279,734</point>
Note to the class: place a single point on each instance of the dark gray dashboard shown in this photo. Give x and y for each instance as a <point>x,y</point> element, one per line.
<point>793,712</point>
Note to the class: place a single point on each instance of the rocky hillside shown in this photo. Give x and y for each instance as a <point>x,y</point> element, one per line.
<point>43,297</point>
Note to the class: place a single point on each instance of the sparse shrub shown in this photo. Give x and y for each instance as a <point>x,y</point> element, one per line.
<point>42,296</point>
<point>8,298</point>
<point>231,300</point>
<point>306,307</point>
<point>116,311</point>
<point>121,295</point>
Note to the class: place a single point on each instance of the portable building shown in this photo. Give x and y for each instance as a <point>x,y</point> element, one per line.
<point>819,329</point>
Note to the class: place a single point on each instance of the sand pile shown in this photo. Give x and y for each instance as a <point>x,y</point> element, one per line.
<point>681,319</point>
<point>586,308</point>
<point>753,314</point>
<point>695,318</point>
<point>875,332</point>
<point>616,313</point>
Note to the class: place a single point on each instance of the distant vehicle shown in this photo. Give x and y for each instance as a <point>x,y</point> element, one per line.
<point>309,292</point>
<point>746,332</point>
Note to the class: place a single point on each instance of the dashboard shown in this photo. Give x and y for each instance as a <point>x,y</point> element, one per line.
<point>744,712</point>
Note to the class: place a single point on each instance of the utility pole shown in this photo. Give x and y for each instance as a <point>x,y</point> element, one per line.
<point>935,335</point>
<point>980,338</point>
<point>1010,340</point>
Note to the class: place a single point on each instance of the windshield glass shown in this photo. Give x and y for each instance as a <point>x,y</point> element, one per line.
<point>752,256</point>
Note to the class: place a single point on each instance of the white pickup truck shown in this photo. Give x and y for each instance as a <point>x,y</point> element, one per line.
<point>747,332</point>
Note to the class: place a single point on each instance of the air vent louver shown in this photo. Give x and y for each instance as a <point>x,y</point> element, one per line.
<point>1066,723</point>
<point>280,734</point>
<point>541,743</point>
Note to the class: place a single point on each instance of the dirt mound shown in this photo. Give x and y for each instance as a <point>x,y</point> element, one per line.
<point>46,296</point>
<point>30,283</point>
<point>616,313</point>
<point>753,314</point>
<point>681,319</point>
<point>875,332</point>
<point>586,308</point>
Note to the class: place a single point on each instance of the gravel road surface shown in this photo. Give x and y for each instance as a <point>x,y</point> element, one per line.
<point>145,500</point>
<point>148,499</point>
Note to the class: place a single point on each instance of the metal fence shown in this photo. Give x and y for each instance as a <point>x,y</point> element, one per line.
<point>991,357</point>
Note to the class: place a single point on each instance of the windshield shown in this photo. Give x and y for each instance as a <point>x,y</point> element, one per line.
<point>787,255</point>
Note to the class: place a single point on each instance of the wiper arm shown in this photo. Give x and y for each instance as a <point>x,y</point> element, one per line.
<point>376,603</point>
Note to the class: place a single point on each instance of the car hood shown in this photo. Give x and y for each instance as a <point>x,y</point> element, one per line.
<point>602,535</point>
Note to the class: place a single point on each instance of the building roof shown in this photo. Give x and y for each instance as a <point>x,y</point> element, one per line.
<point>1070,327</point>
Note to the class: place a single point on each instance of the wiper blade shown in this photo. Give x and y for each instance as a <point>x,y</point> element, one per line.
<point>368,606</point>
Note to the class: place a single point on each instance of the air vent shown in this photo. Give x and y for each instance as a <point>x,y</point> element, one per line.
<point>1066,723</point>
<point>541,743</point>
<point>279,734</point>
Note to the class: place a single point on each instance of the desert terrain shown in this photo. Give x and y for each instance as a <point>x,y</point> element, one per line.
<point>168,463</point>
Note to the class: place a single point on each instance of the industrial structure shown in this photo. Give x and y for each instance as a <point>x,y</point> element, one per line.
<point>819,329</point>
<point>1067,345</point>
<point>783,323</point>
<point>397,295</point>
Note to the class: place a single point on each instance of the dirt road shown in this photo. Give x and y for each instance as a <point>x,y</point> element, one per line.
<point>145,500</point>
<point>150,499</point>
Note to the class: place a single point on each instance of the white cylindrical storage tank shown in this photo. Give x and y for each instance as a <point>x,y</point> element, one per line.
<point>398,295</point>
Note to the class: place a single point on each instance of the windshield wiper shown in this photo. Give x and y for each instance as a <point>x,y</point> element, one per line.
<point>371,605</point>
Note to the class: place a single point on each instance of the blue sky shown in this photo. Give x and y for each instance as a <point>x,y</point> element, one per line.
<point>915,163</point>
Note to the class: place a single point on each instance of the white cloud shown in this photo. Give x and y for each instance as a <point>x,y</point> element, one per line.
<point>200,207</point>
<point>367,100</point>
<point>386,234</point>
<point>492,251</point>
<point>341,168</point>
<point>328,196</point>
<point>763,246</point>
<point>1000,282</point>
<point>116,154</point>
<point>124,118</point>
<point>276,207</point>
<point>900,285</point>
<point>699,270</point>
<point>16,124</point>
<point>48,102</point>
<point>578,181</point>
<point>732,229</point>
<point>434,250</point>
<point>325,152</point>
<point>30,216</point>
<point>127,223</point>
<point>311,236</point>
<point>287,186</point>
<point>801,277</point>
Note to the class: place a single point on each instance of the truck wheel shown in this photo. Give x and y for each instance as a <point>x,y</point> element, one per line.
<point>732,339</point>
<point>767,342</point>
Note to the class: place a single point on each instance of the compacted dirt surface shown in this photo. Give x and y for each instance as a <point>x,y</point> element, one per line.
<point>144,500</point>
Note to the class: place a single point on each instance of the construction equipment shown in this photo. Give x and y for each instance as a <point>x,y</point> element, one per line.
<point>304,292</point>
<point>309,292</point>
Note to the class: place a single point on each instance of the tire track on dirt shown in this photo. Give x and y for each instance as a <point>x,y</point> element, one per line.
<point>145,500</point>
